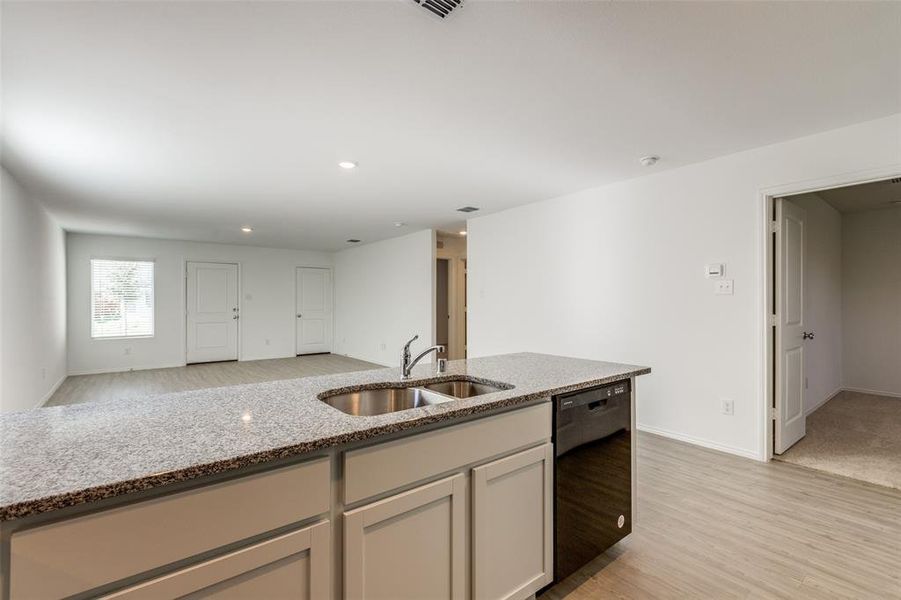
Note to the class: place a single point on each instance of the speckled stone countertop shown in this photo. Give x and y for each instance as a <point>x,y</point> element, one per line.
<point>55,457</point>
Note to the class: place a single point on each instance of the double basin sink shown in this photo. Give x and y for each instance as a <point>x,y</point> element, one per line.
<point>378,401</point>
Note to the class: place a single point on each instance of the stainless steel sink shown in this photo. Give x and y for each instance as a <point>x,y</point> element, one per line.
<point>366,403</point>
<point>462,389</point>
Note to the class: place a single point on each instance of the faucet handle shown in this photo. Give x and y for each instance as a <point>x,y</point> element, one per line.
<point>407,345</point>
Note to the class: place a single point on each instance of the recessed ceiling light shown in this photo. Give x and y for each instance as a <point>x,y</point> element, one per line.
<point>347,164</point>
<point>399,224</point>
<point>468,209</point>
<point>648,161</point>
<point>353,241</point>
<point>462,233</point>
<point>247,229</point>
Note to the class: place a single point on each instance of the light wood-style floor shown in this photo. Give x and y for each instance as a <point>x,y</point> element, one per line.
<point>111,386</point>
<point>715,526</point>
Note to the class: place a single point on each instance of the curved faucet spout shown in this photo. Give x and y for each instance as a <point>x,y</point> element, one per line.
<point>407,363</point>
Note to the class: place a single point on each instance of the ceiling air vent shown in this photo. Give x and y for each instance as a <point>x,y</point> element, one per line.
<point>353,241</point>
<point>468,209</point>
<point>442,8</point>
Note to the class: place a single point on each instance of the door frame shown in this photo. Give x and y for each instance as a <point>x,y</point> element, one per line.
<point>456,290</point>
<point>331,271</point>
<point>184,304</point>
<point>452,317</point>
<point>766,276</point>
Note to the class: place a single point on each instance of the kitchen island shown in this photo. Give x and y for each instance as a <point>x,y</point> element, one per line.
<point>255,489</point>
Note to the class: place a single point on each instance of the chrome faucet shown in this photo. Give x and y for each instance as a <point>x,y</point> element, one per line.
<point>407,364</point>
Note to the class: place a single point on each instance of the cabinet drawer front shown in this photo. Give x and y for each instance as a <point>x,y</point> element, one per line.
<point>294,565</point>
<point>64,558</point>
<point>408,546</point>
<point>385,467</point>
<point>512,507</point>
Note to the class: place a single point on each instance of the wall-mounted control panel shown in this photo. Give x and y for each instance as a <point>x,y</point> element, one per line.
<point>714,270</point>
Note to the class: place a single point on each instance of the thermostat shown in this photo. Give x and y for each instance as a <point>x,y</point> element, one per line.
<point>715,270</point>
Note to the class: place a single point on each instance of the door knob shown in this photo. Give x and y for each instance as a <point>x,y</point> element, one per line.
<point>299,316</point>
<point>807,336</point>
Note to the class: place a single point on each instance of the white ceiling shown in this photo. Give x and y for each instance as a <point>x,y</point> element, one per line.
<point>189,119</point>
<point>868,196</point>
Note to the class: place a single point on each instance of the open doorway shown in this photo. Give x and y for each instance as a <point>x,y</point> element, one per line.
<point>450,294</point>
<point>836,281</point>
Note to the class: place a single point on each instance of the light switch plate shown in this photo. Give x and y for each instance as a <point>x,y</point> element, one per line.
<point>723,287</point>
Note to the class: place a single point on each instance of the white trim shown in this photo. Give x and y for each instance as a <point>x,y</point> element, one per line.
<point>127,369</point>
<point>742,452</point>
<point>765,279</point>
<point>828,397</point>
<point>868,391</point>
<point>363,359</point>
<point>41,402</point>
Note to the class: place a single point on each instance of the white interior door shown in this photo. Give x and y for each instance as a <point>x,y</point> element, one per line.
<point>314,310</point>
<point>212,312</point>
<point>790,422</point>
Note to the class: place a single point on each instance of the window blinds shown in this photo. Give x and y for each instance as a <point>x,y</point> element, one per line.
<point>121,298</point>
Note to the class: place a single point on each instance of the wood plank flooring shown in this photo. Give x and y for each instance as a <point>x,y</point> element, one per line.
<point>712,525</point>
<point>110,386</point>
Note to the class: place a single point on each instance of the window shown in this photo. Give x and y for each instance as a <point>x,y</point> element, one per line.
<point>121,298</point>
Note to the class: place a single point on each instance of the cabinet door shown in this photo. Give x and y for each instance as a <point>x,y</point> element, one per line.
<point>408,546</point>
<point>512,552</point>
<point>294,566</point>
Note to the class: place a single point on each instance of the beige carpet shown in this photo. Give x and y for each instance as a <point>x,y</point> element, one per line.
<point>855,435</point>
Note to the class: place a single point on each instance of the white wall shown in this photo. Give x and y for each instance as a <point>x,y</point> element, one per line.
<point>616,273</point>
<point>822,300</point>
<point>32,300</point>
<point>872,301</point>
<point>267,299</point>
<point>384,294</point>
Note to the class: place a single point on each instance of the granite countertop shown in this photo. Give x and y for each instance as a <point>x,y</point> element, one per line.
<point>55,457</point>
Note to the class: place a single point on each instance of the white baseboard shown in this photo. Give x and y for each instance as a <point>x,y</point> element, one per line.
<point>52,391</point>
<point>744,453</point>
<point>829,397</point>
<point>874,392</point>
<point>369,360</point>
<point>125,370</point>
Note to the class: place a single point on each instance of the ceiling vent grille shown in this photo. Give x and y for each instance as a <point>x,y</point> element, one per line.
<point>442,8</point>
<point>467,209</point>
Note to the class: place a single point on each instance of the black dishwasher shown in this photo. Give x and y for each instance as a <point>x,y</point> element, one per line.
<point>593,474</point>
